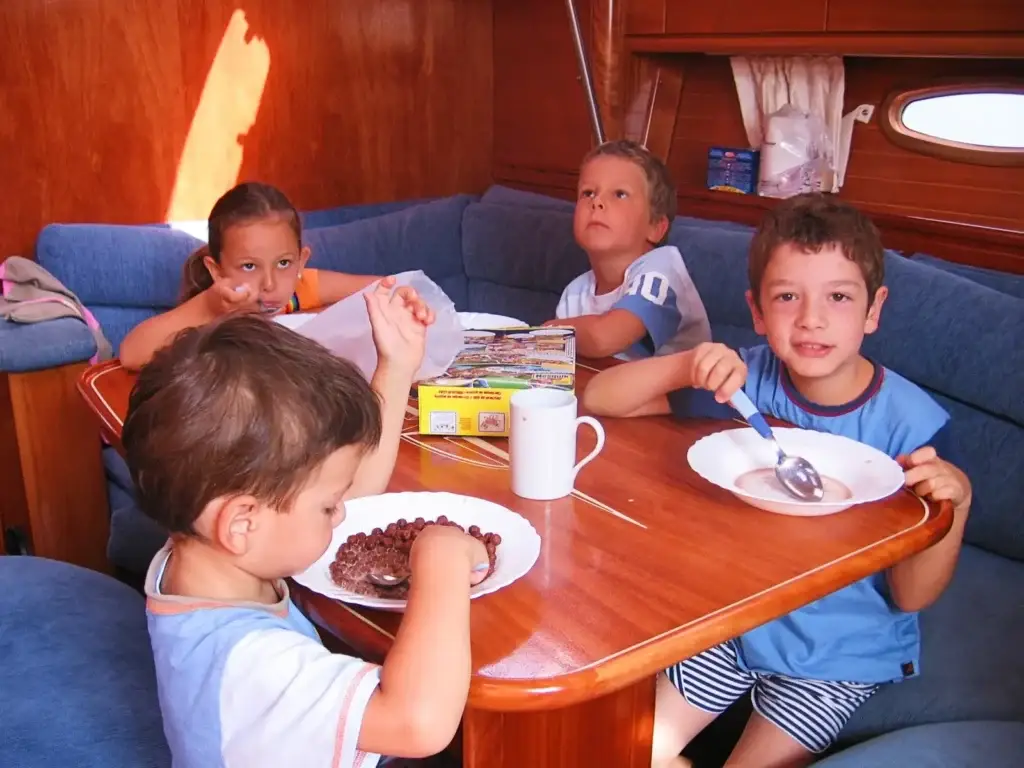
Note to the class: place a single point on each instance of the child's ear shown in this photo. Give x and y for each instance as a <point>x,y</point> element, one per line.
<point>304,253</point>
<point>656,231</point>
<point>755,314</point>
<point>875,310</point>
<point>211,266</point>
<point>231,522</point>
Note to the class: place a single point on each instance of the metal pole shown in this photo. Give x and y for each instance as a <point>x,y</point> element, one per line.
<point>584,67</point>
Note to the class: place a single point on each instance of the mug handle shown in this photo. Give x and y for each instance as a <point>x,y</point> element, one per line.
<point>599,431</point>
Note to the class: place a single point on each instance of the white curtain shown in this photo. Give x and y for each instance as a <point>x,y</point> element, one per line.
<point>812,84</point>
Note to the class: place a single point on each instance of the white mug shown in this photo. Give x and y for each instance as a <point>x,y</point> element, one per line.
<point>542,443</point>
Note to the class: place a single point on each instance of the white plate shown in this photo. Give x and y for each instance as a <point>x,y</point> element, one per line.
<point>863,473</point>
<point>481,321</point>
<point>518,551</point>
<point>293,321</point>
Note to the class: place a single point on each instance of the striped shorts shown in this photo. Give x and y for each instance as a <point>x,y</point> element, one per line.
<point>810,711</point>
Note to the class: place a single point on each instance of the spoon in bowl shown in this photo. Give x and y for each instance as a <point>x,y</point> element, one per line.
<point>800,479</point>
<point>390,580</point>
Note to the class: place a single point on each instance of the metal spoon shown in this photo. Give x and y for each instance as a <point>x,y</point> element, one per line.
<point>389,580</point>
<point>796,475</point>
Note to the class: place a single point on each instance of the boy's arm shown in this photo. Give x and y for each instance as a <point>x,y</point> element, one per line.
<point>638,388</point>
<point>918,581</point>
<point>399,323</point>
<point>669,384</point>
<point>604,335</point>
<point>424,682</point>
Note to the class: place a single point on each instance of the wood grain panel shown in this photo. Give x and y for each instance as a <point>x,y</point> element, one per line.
<point>363,101</point>
<point>540,110</point>
<point>880,176</point>
<point>699,17</point>
<point>925,16</point>
<point>51,477</point>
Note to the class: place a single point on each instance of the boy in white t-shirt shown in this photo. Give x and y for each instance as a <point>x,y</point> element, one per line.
<point>244,439</point>
<point>637,300</point>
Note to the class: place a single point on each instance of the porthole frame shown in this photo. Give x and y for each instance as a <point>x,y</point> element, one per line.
<point>891,122</point>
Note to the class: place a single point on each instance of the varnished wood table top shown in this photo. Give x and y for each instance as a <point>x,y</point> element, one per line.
<point>643,565</point>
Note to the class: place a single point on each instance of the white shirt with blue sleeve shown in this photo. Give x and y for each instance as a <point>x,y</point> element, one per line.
<point>249,685</point>
<point>657,289</point>
<point>855,634</point>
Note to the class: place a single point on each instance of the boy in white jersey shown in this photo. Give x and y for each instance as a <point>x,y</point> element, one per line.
<point>637,300</point>
<point>816,271</point>
<point>244,439</point>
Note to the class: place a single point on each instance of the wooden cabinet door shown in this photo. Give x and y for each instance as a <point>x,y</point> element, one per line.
<point>925,16</point>
<point>709,17</point>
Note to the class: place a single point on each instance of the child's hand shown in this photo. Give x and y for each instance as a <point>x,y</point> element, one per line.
<point>224,298</point>
<point>399,321</point>
<point>718,369</point>
<point>934,479</point>
<point>447,541</point>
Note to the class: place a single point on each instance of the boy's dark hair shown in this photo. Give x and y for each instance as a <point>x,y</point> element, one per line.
<point>814,221</point>
<point>242,204</point>
<point>660,188</point>
<point>240,406</point>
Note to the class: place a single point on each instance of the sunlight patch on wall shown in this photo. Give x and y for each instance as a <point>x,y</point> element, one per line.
<point>212,156</point>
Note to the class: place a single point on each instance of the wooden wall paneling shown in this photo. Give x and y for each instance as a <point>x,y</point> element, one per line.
<point>880,176</point>
<point>609,64</point>
<point>654,108</point>
<point>540,111</point>
<point>925,16</point>
<point>363,101</point>
<point>645,17</point>
<point>699,17</point>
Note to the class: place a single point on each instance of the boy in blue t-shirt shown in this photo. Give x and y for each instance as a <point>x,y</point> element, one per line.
<point>637,300</point>
<point>244,440</point>
<point>816,271</point>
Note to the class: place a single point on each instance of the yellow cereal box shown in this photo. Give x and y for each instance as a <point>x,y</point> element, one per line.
<point>472,397</point>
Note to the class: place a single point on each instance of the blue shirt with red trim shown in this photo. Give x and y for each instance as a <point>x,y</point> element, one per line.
<point>856,634</point>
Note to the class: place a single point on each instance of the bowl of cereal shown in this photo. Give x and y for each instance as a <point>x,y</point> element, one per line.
<point>742,462</point>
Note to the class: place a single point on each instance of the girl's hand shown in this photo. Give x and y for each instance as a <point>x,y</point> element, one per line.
<point>225,298</point>
<point>399,320</point>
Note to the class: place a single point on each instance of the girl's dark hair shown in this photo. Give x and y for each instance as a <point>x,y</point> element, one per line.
<point>247,202</point>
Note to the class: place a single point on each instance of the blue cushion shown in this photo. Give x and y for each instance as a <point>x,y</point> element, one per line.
<point>982,744</point>
<point>113,265</point>
<point>423,237</point>
<point>34,346</point>
<point>527,248</point>
<point>134,537</point>
<point>1004,282</point>
<point>331,217</point>
<point>501,195</point>
<point>79,686</point>
<point>971,667</point>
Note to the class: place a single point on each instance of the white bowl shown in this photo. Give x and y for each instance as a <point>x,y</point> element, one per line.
<point>481,321</point>
<point>516,555</point>
<point>742,462</point>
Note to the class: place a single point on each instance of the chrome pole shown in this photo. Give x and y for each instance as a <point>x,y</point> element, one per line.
<point>584,67</point>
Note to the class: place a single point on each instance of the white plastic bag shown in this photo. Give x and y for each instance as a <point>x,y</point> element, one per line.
<point>796,156</point>
<point>344,328</point>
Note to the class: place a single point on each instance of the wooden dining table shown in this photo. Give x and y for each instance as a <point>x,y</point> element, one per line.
<point>643,565</point>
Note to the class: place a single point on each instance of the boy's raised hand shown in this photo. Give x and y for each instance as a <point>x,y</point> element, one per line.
<point>718,369</point>
<point>932,478</point>
<point>399,320</point>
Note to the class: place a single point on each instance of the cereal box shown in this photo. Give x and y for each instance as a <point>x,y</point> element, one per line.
<point>472,397</point>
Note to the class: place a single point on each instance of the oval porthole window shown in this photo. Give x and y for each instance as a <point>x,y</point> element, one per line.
<point>975,125</point>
